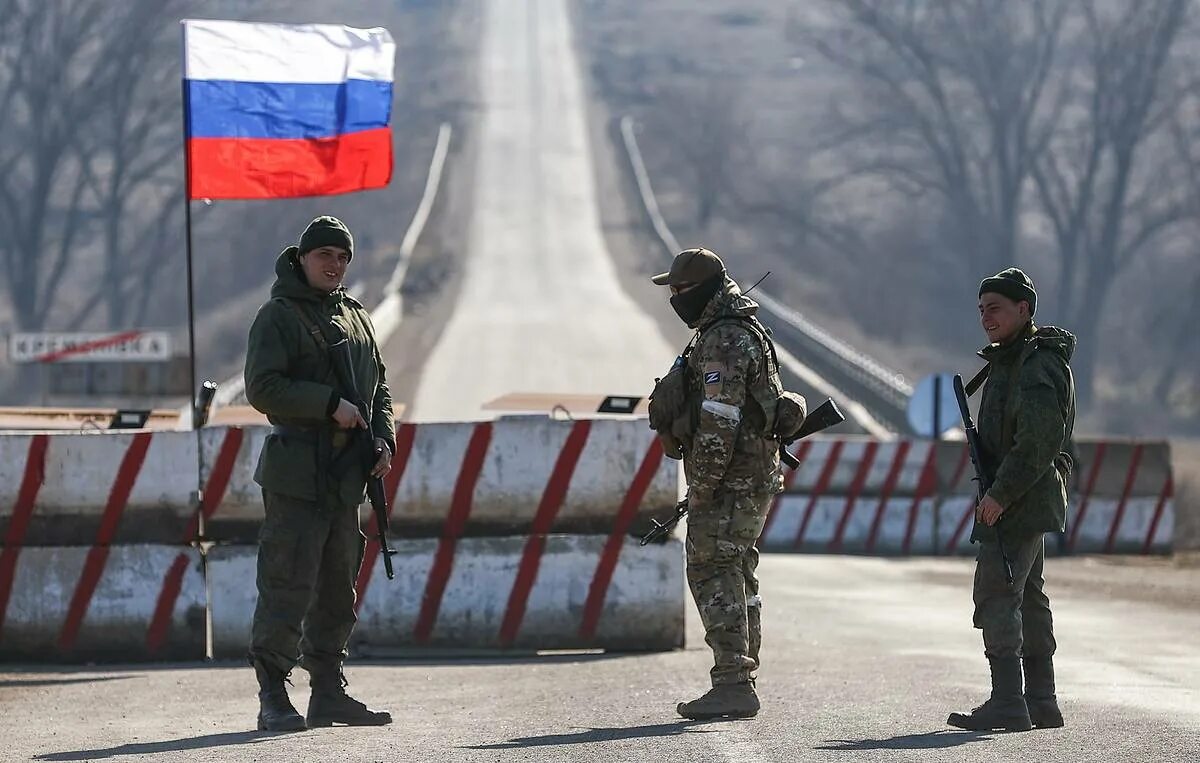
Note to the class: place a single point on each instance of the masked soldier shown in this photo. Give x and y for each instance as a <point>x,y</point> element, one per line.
<point>310,546</point>
<point>1025,420</point>
<point>717,410</point>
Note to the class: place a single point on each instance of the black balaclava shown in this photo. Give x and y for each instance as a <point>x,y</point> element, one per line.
<point>689,305</point>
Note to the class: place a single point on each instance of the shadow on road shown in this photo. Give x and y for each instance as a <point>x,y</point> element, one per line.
<point>25,683</point>
<point>930,740</point>
<point>173,745</point>
<point>597,735</point>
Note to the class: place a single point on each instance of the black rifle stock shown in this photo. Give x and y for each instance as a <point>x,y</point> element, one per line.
<point>363,440</point>
<point>825,415</point>
<point>982,481</point>
<point>821,418</point>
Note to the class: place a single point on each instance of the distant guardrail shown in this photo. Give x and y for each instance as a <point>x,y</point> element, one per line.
<point>881,391</point>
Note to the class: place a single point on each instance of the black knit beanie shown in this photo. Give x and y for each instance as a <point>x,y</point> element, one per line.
<point>1014,284</point>
<point>326,231</point>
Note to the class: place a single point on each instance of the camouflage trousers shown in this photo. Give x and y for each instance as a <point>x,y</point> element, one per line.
<point>721,564</point>
<point>308,560</point>
<point>1015,620</point>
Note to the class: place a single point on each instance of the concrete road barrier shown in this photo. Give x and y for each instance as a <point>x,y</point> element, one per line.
<point>539,592</point>
<point>487,478</point>
<point>119,603</point>
<point>77,489</point>
<point>859,495</point>
<point>95,562</point>
<point>509,477</point>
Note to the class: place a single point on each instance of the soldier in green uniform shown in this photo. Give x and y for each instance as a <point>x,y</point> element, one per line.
<point>724,432</point>
<point>310,546</point>
<point>1025,422</point>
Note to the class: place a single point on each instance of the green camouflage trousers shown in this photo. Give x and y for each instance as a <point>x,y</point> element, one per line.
<point>721,562</point>
<point>1016,619</point>
<point>308,560</point>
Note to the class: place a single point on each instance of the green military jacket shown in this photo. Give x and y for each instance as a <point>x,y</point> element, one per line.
<point>733,388</point>
<point>1026,418</point>
<point>292,380</point>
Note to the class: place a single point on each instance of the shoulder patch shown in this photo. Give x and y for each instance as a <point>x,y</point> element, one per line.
<point>714,378</point>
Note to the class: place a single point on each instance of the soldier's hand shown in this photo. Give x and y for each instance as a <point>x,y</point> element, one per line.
<point>988,511</point>
<point>347,415</point>
<point>384,464</point>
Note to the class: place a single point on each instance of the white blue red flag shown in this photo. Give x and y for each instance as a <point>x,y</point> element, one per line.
<point>281,110</point>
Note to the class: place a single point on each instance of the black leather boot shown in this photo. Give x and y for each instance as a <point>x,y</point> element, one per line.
<point>1039,693</point>
<point>275,710</point>
<point>1005,709</point>
<point>330,704</point>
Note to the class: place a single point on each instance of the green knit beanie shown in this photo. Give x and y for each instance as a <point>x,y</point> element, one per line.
<point>326,231</point>
<point>1014,284</point>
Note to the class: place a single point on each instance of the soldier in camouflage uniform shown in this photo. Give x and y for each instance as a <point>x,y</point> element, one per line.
<point>731,461</point>
<point>310,545</point>
<point>1025,421</point>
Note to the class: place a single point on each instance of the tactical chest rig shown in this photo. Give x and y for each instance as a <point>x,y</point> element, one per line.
<point>675,402</point>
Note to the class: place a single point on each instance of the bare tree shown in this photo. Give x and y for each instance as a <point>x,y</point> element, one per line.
<point>706,124</point>
<point>50,87</point>
<point>953,102</point>
<point>137,169</point>
<point>1183,359</point>
<point>1108,182</point>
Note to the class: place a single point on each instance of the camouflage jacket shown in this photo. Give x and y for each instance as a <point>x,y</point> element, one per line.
<point>733,386</point>
<point>293,381</point>
<point>1025,436</point>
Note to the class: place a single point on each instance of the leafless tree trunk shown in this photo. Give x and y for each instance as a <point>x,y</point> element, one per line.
<point>1106,181</point>
<point>51,83</point>
<point>707,125</point>
<point>953,102</point>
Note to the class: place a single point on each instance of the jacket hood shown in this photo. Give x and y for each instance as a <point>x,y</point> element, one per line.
<point>1053,338</point>
<point>728,302</point>
<point>1057,340</point>
<point>290,283</point>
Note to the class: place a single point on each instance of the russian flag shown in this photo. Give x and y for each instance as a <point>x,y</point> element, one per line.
<point>281,110</point>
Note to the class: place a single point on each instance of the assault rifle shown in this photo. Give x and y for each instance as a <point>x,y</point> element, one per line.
<point>824,416</point>
<point>362,445</point>
<point>827,414</point>
<point>982,480</point>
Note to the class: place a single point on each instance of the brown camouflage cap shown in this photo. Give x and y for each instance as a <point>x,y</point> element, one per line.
<point>691,266</point>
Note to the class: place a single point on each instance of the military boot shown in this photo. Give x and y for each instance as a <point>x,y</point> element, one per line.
<point>275,710</point>
<point>330,704</point>
<point>1039,693</point>
<point>723,701</point>
<point>1006,708</point>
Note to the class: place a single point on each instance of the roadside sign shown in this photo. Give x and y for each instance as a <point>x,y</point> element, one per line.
<point>932,409</point>
<point>126,346</point>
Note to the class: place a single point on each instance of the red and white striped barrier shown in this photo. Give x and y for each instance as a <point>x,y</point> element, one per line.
<point>77,502</point>
<point>582,591</point>
<point>131,602</point>
<point>96,488</point>
<point>509,477</point>
<point>864,496</point>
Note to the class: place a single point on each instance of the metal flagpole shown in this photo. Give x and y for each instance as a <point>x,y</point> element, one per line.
<point>187,224</point>
<point>201,531</point>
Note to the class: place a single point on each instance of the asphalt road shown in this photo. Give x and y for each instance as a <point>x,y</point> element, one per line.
<point>541,307</point>
<point>863,659</point>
